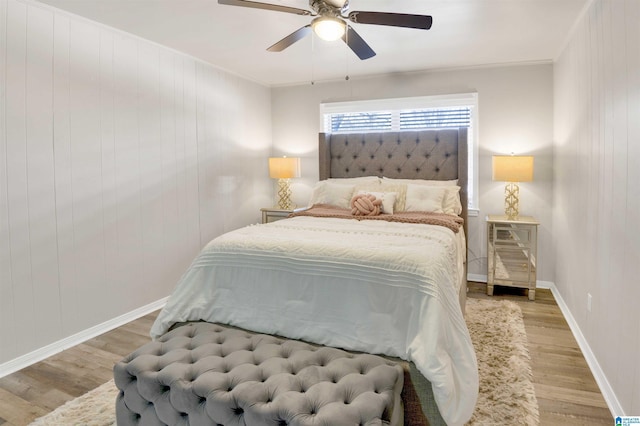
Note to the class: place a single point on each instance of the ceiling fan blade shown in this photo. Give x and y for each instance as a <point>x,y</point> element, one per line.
<point>267,6</point>
<point>290,39</point>
<point>422,22</point>
<point>357,44</point>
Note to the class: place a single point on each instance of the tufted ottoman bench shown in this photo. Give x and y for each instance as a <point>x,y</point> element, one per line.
<point>208,374</point>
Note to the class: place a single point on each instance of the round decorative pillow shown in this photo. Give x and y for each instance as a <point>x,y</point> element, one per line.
<point>365,205</point>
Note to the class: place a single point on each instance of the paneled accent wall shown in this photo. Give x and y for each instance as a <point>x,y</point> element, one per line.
<point>119,160</point>
<point>597,189</point>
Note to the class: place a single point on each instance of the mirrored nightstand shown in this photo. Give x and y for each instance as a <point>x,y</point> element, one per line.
<point>511,253</point>
<point>271,214</point>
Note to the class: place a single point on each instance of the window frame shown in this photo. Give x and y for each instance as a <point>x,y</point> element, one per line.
<point>412,103</point>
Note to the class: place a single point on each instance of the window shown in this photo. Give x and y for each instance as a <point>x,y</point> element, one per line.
<point>419,113</point>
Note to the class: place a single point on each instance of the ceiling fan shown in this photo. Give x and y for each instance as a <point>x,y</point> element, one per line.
<point>329,22</point>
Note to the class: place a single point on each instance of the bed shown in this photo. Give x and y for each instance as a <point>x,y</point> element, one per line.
<point>400,292</point>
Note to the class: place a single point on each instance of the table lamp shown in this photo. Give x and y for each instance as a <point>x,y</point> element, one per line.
<point>283,169</point>
<point>512,169</point>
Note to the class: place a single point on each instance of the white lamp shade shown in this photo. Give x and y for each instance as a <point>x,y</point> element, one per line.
<point>327,28</point>
<point>284,167</point>
<point>513,168</point>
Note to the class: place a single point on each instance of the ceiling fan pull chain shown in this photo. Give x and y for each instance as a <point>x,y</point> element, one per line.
<point>346,57</point>
<point>313,59</point>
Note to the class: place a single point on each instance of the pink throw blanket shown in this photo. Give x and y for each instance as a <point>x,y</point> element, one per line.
<point>428,218</point>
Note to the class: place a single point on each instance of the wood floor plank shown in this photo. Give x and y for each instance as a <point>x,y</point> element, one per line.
<point>565,388</point>
<point>16,410</point>
<point>554,412</point>
<point>32,391</point>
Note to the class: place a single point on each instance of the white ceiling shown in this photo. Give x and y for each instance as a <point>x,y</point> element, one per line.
<point>464,33</point>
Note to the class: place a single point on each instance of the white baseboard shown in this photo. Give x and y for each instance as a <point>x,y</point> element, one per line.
<point>607,392</point>
<point>56,347</point>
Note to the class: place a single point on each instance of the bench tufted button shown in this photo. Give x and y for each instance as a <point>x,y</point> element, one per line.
<point>238,411</point>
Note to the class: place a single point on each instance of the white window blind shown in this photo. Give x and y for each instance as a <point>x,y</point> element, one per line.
<point>358,122</point>
<point>418,113</point>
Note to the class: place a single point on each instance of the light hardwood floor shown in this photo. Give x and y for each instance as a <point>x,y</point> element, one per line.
<point>565,388</point>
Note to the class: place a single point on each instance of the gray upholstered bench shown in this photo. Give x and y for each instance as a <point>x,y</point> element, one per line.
<point>208,374</point>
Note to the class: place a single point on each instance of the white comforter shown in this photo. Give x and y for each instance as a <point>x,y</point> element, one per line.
<point>372,286</point>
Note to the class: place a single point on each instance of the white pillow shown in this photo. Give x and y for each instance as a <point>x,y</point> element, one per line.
<point>400,189</point>
<point>335,194</point>
<point>388,199</point>
<point>451,203</point>
<point>425,198</point>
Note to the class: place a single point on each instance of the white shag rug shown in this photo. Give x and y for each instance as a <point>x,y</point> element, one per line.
<point>507,395</point>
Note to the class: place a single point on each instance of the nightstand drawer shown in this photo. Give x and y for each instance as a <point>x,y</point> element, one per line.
<point>512,235</point>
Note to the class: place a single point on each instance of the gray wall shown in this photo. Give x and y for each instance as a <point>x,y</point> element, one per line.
<point>597,196</point>
<point>119,159</point>
<point>515,115</point>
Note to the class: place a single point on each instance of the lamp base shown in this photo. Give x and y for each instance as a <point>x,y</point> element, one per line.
<point>511,202</point>
<point>284,195</point>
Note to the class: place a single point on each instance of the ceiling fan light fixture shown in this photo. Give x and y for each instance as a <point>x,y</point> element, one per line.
<point>328,28</point>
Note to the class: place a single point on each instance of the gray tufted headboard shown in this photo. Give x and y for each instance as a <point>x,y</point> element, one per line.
<point>426,154</point>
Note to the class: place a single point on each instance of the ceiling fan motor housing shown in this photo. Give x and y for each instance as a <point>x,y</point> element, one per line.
<point>324,8</point>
